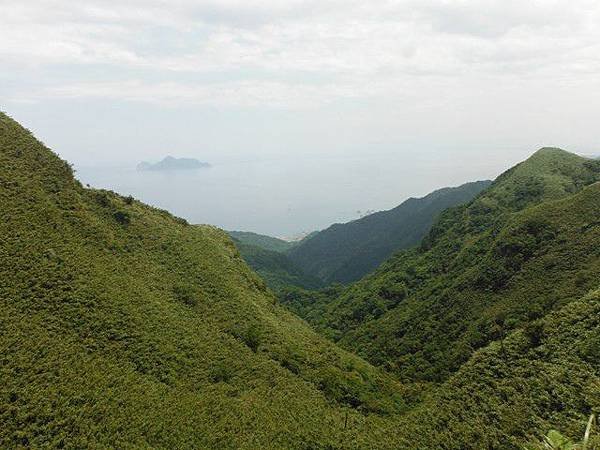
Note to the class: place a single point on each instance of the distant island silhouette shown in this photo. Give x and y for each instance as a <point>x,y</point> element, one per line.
<point>170,163</point>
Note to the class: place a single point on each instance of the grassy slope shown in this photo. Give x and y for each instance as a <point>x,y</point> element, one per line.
<point>545,376</point>
<point>123,326</point>
<point>484,269</point>
<point>345,252</point>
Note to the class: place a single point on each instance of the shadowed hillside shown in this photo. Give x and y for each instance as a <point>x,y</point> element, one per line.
<point>345,252</point>
<point>276,268</point>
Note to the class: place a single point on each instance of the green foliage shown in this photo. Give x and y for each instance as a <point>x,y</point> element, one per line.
<point>345,252</point>
<point>554,440</point>
<point>147,332</point>
<point>156,334</point>
<point>512,392</point>
<point>277,270</point>
<point>252,337</point>
<point>499,263</point>
<point>122,217</point>
<point>186,294</point>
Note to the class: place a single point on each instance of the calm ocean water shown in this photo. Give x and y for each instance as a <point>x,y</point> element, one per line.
<point>284,197</point>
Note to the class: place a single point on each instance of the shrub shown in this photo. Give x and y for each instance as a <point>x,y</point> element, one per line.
<point>186,294</point>
<point>252,337</point>
<point>122,217</point>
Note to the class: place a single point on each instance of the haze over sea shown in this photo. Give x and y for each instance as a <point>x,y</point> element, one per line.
<point>288,196</point>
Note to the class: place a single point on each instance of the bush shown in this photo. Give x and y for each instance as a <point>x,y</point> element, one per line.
<point>252,337</point>
<point>122,217</point>
<point>186,294</point>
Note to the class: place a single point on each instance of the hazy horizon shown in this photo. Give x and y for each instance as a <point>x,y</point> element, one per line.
<point>285,197</point>
<point>471,87</point>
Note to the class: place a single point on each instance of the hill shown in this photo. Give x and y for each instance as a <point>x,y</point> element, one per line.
<point>526,246</point>
<point>346,252</point>
<point>275,268</point>
<point>123,326</point>
<point>262,241</point>
<point>542,377</point>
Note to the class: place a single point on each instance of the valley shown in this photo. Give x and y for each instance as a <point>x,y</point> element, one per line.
<point>469,318</point>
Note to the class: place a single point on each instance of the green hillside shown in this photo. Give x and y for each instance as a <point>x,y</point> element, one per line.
<point>346,252</point>
<point>122,326</point>
<point>543,377</point>
<point>275,268</point>
<point>526,246</point>
<point>262,241</point>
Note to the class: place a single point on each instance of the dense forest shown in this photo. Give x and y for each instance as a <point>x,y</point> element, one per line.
<point>122,326</point>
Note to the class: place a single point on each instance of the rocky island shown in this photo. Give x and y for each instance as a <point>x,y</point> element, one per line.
<point>170,163</point>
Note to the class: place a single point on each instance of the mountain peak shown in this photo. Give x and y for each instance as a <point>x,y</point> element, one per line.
<point>554,153</point>
<point>549,173</point>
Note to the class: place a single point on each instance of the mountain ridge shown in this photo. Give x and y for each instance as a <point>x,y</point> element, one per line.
<point>466,267</point>
<point>345,252</point>
<point>124,326</point>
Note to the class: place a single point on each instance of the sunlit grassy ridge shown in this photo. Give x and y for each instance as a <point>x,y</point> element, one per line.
<point>123,326</point>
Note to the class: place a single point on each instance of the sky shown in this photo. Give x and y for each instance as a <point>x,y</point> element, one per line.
<point>116,82</point>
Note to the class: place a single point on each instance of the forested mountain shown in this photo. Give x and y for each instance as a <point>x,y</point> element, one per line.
<point>526,246</point>
<point>545,375</point>
<point>346,252</point>
<point>122,326</point>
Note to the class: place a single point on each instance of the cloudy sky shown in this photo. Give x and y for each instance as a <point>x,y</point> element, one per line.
<point>118,81</point>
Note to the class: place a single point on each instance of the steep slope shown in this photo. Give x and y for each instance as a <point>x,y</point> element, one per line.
<point>345,252</point>
<point>546,376</point>
<point>526,246</point>
<point>275,268</point>
<point>122,326</point>
<point>262,241</point>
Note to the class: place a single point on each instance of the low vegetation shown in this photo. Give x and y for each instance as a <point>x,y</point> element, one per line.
<point>122,326</point>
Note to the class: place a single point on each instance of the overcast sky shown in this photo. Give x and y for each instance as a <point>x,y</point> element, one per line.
<point>119,81</point>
